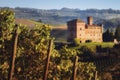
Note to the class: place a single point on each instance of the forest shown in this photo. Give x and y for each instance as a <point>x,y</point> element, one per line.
<point>29,53</point>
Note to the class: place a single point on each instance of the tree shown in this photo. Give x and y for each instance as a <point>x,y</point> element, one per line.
<point>117,33</point>
<point>108,36</point>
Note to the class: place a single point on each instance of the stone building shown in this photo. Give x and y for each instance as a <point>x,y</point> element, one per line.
<point>84,32</point>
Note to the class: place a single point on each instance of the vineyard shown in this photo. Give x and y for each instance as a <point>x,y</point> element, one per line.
<point>30,54</point>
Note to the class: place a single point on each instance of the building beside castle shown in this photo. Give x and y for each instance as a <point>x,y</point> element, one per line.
<point>84,32</point>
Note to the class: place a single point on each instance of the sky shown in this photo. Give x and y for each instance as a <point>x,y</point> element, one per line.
<point>58,4</point>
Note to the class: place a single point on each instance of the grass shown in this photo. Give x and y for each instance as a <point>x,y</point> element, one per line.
<point>93,45</point>
<point>35,22</point>
<point>29,22</point>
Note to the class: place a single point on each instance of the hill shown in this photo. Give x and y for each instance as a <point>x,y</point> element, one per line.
<point>108,17</point>
<point>28,22</point>
<point>24,22</point>
<point>58,32</point>
<point>58,17</point>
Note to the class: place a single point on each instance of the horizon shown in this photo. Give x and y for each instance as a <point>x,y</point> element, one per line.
<point>60,8</point>
<point>58,4</point>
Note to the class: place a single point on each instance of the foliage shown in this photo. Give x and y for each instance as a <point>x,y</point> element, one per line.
<point>6,29</point>
<point>117,33</point>
<point>86,70</point>
<point>65,65</point>
<point>86,50</point>
<point>32,49</point>
<point>61,66</point>
<point>115,51</point>
<point>108,36</point>
<point>76,42</point>
<point>93,45</point>
<point>6,25</point>
<point>32,52</point>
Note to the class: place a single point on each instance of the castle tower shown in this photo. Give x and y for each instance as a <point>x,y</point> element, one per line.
<point>76,29</point>
<point>90,20</point>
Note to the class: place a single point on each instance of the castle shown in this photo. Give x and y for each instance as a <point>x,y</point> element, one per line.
<point>84,32</point>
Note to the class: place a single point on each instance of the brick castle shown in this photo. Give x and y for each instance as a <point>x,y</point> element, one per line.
<point>84,32</point>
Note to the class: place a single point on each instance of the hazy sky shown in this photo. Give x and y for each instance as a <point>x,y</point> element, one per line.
<point>57,4</point>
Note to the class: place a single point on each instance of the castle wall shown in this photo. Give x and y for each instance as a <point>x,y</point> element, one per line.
<point>78,29</point>
<point>94,34</point>
<point>71,31</point>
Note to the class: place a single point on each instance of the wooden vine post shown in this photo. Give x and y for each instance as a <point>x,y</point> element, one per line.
<point>96,75</point>
<point>75,68</point>
<point>12,63</point>
<point>47,60</point>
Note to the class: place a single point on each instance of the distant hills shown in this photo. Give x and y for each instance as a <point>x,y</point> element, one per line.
<point>109,17</point>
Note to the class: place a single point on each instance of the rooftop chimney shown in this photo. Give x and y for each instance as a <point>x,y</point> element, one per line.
<point>90,20</point>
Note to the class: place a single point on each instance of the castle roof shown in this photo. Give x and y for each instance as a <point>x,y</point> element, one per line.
<point>76,20</point>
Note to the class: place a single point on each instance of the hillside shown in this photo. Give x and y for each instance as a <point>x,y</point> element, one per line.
<point>27,22</point>
<point>108,17</point>
<point>111,23</point>
<point>58,17</point>
<point>58,32</point>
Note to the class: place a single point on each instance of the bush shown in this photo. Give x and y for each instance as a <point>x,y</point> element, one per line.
<point>117,46</point>
<point>86,49</point>
<point>76,42</point>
